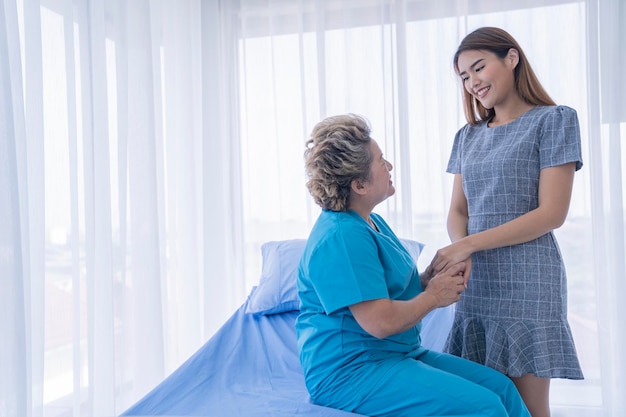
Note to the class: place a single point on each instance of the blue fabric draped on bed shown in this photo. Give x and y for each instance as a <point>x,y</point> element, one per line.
<point>250,367</point>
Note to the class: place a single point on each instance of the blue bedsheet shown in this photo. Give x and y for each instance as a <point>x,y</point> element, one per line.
<point>250,368</point>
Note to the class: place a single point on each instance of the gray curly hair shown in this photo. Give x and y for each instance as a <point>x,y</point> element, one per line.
<point>337,153</point>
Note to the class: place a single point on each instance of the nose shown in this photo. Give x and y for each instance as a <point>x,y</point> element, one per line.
<point>389,166</point>
<point>471,83</point>
<point>471,80</point>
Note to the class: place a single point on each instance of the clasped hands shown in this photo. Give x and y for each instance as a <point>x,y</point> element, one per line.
<point>447,275</point>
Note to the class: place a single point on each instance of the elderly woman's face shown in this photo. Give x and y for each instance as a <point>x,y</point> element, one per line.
<point>379,182</point>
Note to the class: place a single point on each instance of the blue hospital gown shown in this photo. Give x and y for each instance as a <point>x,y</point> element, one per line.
<point>513,315</point>
<point>346,262</point>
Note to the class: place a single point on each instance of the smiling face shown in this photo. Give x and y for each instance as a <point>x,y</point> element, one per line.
<point>487,77</point>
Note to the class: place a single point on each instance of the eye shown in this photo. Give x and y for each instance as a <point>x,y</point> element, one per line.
<point>479,68</point>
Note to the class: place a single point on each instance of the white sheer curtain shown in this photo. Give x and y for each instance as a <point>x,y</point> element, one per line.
<point>148,148</point>
<point>120,241</point>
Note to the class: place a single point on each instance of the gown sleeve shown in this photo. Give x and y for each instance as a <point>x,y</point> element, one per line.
<point>347,270</point>
<point>560,139</point>
<point>454,163</point>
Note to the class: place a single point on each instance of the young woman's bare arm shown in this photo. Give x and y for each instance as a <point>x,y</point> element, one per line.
<point>458,214</point>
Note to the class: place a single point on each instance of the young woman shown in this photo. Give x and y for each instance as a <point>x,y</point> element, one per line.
<point>513,166</point>
<point>362,298</point>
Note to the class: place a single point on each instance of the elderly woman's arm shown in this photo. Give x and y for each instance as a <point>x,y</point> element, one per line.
<point>384,317</point>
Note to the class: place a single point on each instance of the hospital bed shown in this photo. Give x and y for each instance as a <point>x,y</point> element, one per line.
<point>250,367</point>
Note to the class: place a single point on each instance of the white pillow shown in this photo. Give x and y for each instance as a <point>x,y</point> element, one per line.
<point>277,291</point>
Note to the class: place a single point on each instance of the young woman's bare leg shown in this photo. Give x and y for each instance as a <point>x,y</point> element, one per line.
<point>535,392</point>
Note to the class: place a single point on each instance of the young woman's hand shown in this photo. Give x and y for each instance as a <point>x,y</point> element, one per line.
<point>450,255</point>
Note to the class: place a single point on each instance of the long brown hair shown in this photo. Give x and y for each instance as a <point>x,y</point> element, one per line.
<point>499,42</point>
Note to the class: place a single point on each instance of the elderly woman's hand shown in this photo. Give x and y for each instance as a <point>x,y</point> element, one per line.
<point>448,285</point>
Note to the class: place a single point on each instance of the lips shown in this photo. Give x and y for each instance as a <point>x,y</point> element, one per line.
<point>481,92</point>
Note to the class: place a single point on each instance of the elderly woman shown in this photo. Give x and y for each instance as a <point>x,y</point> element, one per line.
<point>362,299</point>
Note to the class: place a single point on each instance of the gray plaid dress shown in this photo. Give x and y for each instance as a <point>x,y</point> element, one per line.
<point>513,315</point>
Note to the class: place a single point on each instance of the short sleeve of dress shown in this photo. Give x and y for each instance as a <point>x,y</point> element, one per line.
<point>454,163</point>
<point>347,270</point>
<point>560,139</point>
